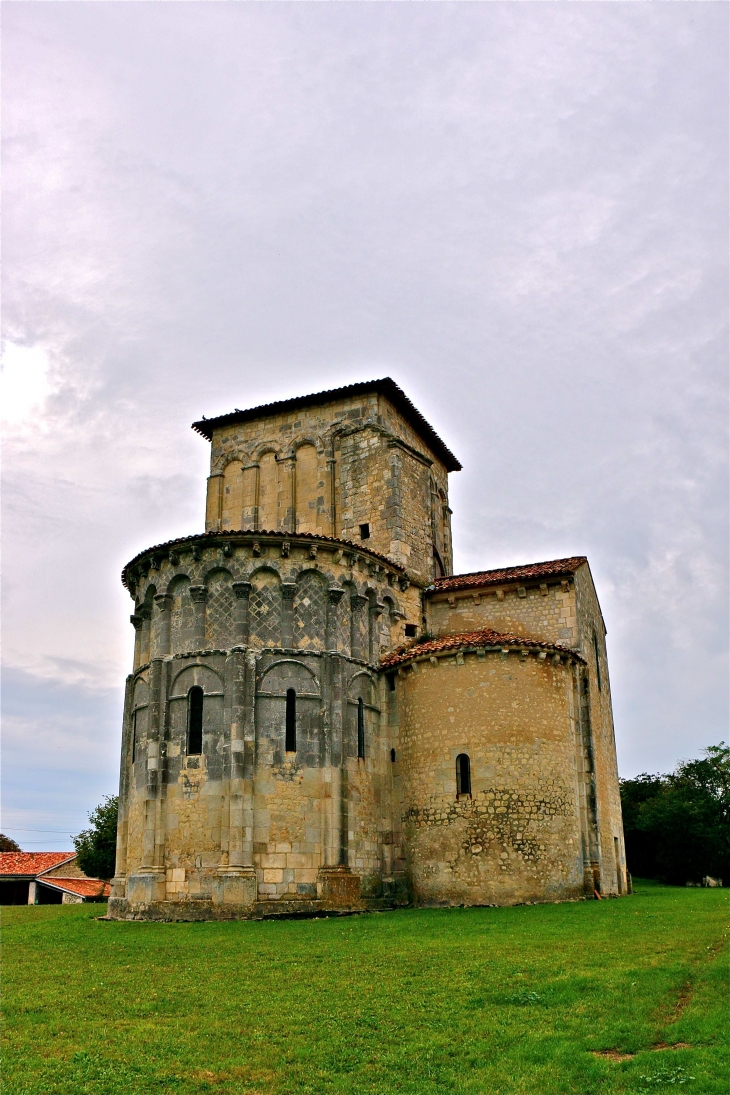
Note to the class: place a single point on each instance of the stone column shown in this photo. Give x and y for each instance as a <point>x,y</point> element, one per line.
<point>198,595</point>
<point>236,884</point>
<point>332,477</point>
<point>161,645</point>
<point>242,592</point>
<point>120,869</point>
<point>288,466</point>
<point>357,604</point>
<point>334,596</point>
<point>374,614</point>
<point>137,622</point>
<point>213,503</point>
<point>288,590</point>
<point>147,885</point>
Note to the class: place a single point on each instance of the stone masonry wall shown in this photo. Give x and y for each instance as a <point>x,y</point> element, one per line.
<point>517,837</point>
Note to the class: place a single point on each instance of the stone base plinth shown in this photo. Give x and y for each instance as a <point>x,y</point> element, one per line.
<point>146,887</point>
<point>235,886</point>
<point>338,888</point>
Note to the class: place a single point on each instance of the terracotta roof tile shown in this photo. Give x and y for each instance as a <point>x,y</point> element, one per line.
<point>484,637</point>
<point>31,863</point>
<point>385,386</point>
<point>82,887</point>
<point>555,568</point>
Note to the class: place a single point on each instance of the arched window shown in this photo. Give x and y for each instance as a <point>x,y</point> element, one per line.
<point>195,721</point>
<point>463,775</point>
<point>360,728</point>
<point>291,721</point>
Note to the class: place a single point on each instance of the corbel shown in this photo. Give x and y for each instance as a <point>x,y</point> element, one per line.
<point>313,551</point>
<point>544,589</point>
<point>521,591</point>
<point>285,549</point>
<point>500,594</point>
<point>256,549</point>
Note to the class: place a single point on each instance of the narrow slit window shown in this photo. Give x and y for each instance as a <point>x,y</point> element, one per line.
<point>463,775</point>
<point>598,660</point>
<point>365,531</point>
<point>392,756</point>
<point>391,682</point>
<point>291,721</point>
<point>195,721</point>
<point>134,738</point>
<point>360,728</point>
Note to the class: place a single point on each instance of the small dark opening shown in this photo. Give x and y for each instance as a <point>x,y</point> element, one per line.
<point>463,775</point>
<point>411,631</point>
<point>195,721</point>
<point>134,738</point>
<point>598,660</point>
<point>391,682</point>
<point>360,729</point>
<point>365,531</point>
<point>392,755</point>
<point>291,721</point>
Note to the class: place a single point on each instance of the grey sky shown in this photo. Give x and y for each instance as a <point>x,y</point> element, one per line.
<point>516,210</point>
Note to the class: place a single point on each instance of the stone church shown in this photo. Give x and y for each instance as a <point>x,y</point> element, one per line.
<point>322,716</point>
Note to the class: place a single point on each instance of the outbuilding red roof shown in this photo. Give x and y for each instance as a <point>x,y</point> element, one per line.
<point>82,887</point>
<point>485,638</point>
<point>31,863</point>
<point>555,568</point>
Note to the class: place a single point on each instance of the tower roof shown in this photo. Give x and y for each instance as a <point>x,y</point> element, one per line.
<point>385,387</point>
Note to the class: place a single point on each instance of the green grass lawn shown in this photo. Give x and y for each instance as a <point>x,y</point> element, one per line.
<point>518,1000</point>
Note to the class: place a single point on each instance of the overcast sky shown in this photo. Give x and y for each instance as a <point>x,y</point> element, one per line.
<point>516,210</point>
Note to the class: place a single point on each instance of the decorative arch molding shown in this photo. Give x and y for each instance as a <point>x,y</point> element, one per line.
<point>199,674</point>
<point>300,665</point>
<point>214,571</point>
<point>262,449</point>
<point>260,571</point>
<point>315,440</point>
<point>352,692</point>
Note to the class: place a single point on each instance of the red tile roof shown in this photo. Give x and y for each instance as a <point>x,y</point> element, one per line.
<point>556,568</point>
<point>31,863</point>
<point>82,887</point>
<point>485,637</point>
<point>385,386</point>
<point>235,535</point>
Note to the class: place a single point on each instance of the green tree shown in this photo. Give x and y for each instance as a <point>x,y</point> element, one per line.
<point>8,845</point>
<point>96,846</point>
<point>677,826</point>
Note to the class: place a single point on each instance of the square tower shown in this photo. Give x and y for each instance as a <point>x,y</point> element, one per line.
<point>358,463</point>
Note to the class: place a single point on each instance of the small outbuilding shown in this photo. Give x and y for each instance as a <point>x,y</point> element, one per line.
<point>47,878</point>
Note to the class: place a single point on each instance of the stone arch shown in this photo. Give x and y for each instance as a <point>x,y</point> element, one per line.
<point>232,494</point>
<point>286,673</point>
<point>268,501</point>
<point>202,676</point>
<point>309,487</point>
<point>219,625</point>
<point>310,609</point>
<point>362,685</point>
<point>264,608</point>
<point>307,439</point>
<point>140,714</point>
<point>181,614</point>
<point>362,708</point>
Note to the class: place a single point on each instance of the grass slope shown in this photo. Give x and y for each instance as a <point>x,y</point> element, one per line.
<point>488,1001</point>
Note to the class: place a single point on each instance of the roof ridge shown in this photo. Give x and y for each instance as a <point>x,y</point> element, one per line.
<point>485,636</point>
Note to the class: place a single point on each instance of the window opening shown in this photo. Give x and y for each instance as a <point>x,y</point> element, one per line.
<point>411,630</point>
<point>598,661</point>
<point>365,531</point>
<point>195,721</point>
<point>360,728</point>
<point>463,775</point>
<point>391,682</point>
<point>392,755</point>
<point>291,721</point>
<point>134,737</point>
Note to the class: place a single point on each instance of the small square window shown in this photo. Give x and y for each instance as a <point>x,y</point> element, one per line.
<point>411,631</point>
<point>365,531</point>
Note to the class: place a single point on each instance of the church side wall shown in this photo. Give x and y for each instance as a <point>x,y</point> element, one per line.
<point>546,612</point>
<point>592,644</point>
<point>517,837</point>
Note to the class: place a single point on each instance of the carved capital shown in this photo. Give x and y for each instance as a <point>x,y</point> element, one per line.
<point>163,602</point>
<point>288,589</point>
<point>377,610</point>
<point>198,594</point>
<point>335,595</point>
<point>137,622</point>
<point>144,612</point>
<point>357,601</point>
<point>241,589</point>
